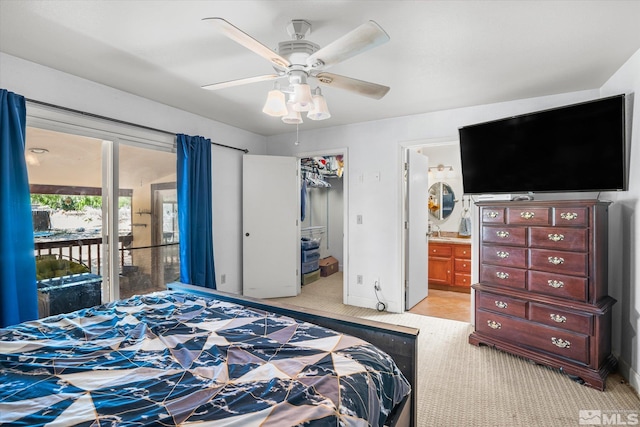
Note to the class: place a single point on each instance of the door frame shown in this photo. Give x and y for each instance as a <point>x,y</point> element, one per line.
<point>404,146</point>
<point>344,152</point>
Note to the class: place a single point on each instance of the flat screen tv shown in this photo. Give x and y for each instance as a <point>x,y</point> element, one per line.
<point>574,148</point>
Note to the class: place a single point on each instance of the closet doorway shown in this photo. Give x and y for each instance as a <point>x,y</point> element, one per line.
<point>323,199</point>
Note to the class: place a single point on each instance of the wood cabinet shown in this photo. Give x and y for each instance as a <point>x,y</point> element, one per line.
<point>450,266</point>
<point>542,293</point>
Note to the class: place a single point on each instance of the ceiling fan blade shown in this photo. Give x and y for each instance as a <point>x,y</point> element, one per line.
<point>231,83</point>
<point>363,38</point>
<point>372,90</point>
<point>239,36</point>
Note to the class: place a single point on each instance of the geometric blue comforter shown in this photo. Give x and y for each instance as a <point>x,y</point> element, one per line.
<point>171,358</point>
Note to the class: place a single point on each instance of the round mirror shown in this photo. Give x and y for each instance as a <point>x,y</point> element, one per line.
<point>441,200</point>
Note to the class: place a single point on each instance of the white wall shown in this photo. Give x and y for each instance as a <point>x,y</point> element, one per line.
<point>374,182</point>
<point>624,231</point>
<point>45,84</point>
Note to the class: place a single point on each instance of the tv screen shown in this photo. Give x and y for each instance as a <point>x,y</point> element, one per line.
<point>579,147</point>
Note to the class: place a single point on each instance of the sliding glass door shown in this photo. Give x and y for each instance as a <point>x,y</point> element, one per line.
<point>85,190</point>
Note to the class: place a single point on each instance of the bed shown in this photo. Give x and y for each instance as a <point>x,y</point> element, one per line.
<point>192,356</point>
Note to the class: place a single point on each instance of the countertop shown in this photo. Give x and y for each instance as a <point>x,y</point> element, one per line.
<point>450,237</point>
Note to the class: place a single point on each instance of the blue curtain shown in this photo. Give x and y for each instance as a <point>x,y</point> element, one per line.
<point>195,214</point>
<point>18,291</point>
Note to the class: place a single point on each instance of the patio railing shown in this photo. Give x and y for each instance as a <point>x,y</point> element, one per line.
<point>86,250</point>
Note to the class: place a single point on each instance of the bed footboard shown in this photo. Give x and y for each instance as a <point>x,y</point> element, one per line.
<point>399,342</point>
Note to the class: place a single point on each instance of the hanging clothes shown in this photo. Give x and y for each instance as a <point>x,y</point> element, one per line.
<point>303,200</point>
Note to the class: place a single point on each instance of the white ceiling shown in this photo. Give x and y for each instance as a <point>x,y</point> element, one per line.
<point>442,54</point>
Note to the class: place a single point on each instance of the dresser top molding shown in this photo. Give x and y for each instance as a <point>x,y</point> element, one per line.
<point>543,203</point>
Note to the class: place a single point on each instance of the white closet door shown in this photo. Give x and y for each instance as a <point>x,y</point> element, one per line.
<point>418,216</point>
<point>271,211</point>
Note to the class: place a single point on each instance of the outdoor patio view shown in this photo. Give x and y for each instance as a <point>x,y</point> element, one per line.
<point>65,177</point>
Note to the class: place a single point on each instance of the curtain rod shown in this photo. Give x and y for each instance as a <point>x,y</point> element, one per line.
<point>97,116</point>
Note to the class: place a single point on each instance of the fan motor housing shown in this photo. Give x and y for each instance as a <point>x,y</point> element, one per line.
<point>297,51</point>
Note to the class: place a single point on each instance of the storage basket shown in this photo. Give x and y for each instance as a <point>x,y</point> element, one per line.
<point>310,255</point>
<point>310,266</point>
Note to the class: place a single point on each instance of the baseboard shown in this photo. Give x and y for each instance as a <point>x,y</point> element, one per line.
<point>372,303</point>
<point>632,377</point>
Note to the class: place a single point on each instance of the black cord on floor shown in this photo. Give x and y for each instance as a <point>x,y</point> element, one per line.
<point>380,306</point>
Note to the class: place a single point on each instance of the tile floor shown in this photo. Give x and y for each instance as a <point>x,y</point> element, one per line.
<point>445,305</point>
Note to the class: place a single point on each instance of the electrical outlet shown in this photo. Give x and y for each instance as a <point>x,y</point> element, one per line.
<point>358,219</point>
<point>223,279</point>
<point>376,284</point>
<point>359,279</point>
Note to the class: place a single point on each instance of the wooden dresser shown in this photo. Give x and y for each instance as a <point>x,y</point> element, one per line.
<point>450,265</point>
<point>542,293</point>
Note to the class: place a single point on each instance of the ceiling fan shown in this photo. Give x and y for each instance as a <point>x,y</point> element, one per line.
<point>298,60</point>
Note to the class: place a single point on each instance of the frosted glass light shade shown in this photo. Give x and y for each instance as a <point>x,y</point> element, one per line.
<point>302,97</point>
<point>320,111</point>
<point>276,104</point>
<point>293,116</point>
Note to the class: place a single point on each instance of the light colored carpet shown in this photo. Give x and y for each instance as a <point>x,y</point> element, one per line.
<point>463,385</point>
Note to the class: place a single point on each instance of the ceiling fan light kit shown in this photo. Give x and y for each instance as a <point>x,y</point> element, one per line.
<point>276,104</point>
<point>293,116</point>
<point>320,111</point>
<point>299,60</point>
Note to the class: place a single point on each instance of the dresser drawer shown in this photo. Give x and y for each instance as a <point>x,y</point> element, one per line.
<point>505,235</point>
<point>552,340</point>
<point>462,265</point>
<point>565,319</point>
<point>509,256</point>
<point>528,216</point>
<point>492,215</point>
<point>440,250</point>
<point>501,304</point>
<point>558,261</point>
<point>560,238</point>
<point>569,216</point>
<point>557,285</point>
<point>461,279</point>
<point>503,276</point>
<point>462,251</point>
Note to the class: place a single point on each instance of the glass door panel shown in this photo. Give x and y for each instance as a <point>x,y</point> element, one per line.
<point>65,177</point>
<point>148,210</point>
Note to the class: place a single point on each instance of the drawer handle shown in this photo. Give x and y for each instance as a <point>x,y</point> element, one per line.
<point>556,237</point>
<point>556,260</point>
<point>502,275</point>
<point>502,254</point>
<point>569,216</point>
<point>559,342</point>
<point>558,318</point>
<point>492,214</point>
<point>501,304</point>
<point>527,215</point>
<point>493,324</point>
<point>556,283</point>
<point>502,234</point>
